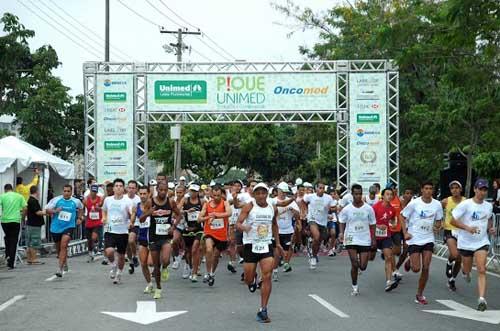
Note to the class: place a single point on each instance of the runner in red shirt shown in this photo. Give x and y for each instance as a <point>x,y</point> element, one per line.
<point>386,218</point>
<point>93,223</point>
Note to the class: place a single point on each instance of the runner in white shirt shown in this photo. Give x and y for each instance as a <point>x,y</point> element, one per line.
<point>319,205</point>
<point>237,199</point>
<point>475,219</point>
<point>286,229</point>
<point>117,210</point>
<point>258,223</point>
<point>371,198</point>
<point>132,187</point>
<point>423,217</point>
<point>357,232</point>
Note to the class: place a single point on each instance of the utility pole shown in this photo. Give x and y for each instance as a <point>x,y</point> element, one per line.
<point>106,43</point>
<point>179,49</point>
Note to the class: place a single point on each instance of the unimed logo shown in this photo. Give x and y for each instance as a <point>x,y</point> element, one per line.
<point>181,91</point>
<point>115,145</point>
<point>115,96</point>
<point>368,118</point>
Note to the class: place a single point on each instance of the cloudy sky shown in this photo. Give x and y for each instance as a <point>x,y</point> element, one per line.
<point>244,29</point>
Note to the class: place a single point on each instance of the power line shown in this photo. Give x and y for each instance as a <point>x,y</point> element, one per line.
<point>201,55</point>
<point>213,49</point>
<point>197,28</point>
<point>164,15</point>
<point>138,14</point>
<point>88,29</point>
<point>61,32</point>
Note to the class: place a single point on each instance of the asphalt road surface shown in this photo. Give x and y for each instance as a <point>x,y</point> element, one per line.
<point>32,299</point>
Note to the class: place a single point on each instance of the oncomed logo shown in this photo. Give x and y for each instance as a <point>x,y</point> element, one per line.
<point>301,90</point>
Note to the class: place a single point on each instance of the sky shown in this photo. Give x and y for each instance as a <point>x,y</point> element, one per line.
<point>245,29</point>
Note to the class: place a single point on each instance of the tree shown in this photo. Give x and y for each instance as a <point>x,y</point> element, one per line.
<point>47,115</point>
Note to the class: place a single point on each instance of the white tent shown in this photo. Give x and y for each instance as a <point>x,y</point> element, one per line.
<point>18,159</point>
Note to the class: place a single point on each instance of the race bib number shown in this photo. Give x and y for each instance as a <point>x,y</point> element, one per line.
<point>234,216</point>
<point>359,227</point>
<point>162,229</point>
<point>145,224</point>
<point>260,248</point>
<point>380,232</point>
<point>193,217</point>
<point>116,220</point>
<point>217,224</point>
<point>424,227</point>
<point>64,216</point>
<point>94,215</point>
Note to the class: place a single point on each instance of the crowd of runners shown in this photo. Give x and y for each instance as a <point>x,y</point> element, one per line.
<point>189,226</point>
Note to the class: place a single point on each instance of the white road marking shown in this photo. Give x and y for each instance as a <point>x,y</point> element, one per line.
<point>488,272</point>
<point>329,306</point>
<point>461,311</point>
<point>10,302</point>
<point>145,314</point>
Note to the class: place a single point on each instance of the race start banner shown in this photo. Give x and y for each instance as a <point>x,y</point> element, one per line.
<point>114,127</point>
<point>240,92</point>
<point>368,159</point>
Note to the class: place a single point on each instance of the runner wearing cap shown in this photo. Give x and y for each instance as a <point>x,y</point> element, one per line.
<point>286,229</point>
<point>258,222</point>
<point>193,231</point>
<point>475,219</point>
<point>182,181</point>
<point>454,262</point>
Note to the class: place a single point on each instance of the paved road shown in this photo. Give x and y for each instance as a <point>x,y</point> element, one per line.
<point>77,301</point>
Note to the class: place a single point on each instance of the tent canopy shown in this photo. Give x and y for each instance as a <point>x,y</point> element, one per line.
<point>13,150</point>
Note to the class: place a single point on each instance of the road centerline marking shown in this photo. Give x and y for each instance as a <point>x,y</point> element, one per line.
<point>328,306</point>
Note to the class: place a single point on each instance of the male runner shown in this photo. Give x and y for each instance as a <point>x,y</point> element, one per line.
<point>258,223</point>
<point>67,213</point>
<point>143,237</point>
<point>215,217</point>
<point>178,241</point>
<point>475,218</point>
<point>193,231</point>
<point>93,226</point>
<point>132,186</point>
<point>454,262</point>
<point>118,217</point>
<point>423,216</point>
<point>357,232</point>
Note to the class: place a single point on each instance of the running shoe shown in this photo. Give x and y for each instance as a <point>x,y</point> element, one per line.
<point>131,268</point>
<point>312,263</point>
<point>206,277</point>
<point>149,289</point>
<point>135,260</point>
<point>176,263</point>
<point>118,279</point>
<point>391,285</point>
<point>211,280</point>
<point>262,316</point>
<point>231,268</point>
<point>420,299</point>
<point>187,271</point>
<point>449,268</point>
<point>194,278</point>
<point>157,294</point>
<point>112,273</point>
<point>164,274</point>
<point>59,273</point>
<point>481,304</point>
<point>253,287</point>
<point>332,253</point>
<point>355,290</point>
<point>287,267</point>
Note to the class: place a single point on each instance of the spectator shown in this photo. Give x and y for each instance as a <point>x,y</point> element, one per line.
<point>34,226</point>
<point>496,195</point>
<point>13,207</point>
<point>24,190</point>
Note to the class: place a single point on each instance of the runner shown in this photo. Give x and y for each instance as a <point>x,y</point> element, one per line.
<point>93,225</point>
<point>372,198</point>
<point>422,215</point>
<point>215,216</point>
<point>475,218</point>
<point>450,238</point>
<point>178,242</point>
<point>386,219</point>
<point>193,231</point>
<point>319,205</point>
<point>286,229</point>
<point>333,225</point>
<point>397,234</point>
<point>118,216</point>
<point>357,232</point>
<point>143,237</point>
<point>258,223</point>
<point>404,201</point>
<point>161,233</point>
<point>237,200</point>
<point>67,213</point>
<point>132,186</point>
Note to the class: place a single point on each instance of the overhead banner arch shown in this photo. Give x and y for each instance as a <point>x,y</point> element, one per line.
<point>361,97</point>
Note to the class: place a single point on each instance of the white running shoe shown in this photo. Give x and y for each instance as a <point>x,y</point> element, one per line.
<point>118,278</point>
<point>149,289</point>
<point>112,273</point>
<point>312,263</point>
<point>176,263</point>
<point>355,290</point>
<point>187,271</point>
<point>275,275</point>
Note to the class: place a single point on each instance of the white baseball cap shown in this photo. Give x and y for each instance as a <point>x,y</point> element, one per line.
<point>153,182</point>
<point>298,181</point>
<point>171,185</point>
<point>261,185</point>
<point>283,187</point>
<point>194,187</point>
<point>182,178</point>
<point>307,184</point>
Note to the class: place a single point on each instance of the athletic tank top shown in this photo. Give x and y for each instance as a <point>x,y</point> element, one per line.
<point>396,204</point>
<point>192,217</point>
<point>159,226</point>
<point>94,217</point>
<point>144,226</point>
<point>219,226</point>
<point>261,221</point>
<point>450,205</point>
